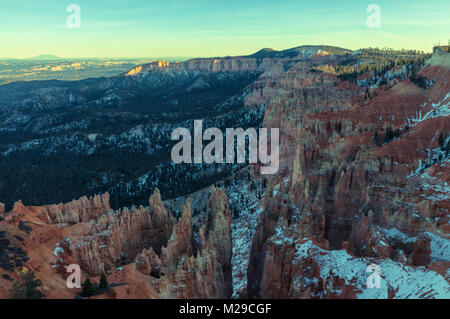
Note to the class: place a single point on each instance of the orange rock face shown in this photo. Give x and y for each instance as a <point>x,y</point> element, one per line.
<point>146,251</point>
<point>77,211</point>
<point>342,187</point>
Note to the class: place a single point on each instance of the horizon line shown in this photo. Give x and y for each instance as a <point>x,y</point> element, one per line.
<point>56,57</point>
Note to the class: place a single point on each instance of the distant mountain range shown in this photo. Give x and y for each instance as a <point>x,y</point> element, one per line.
<point>45,57</point>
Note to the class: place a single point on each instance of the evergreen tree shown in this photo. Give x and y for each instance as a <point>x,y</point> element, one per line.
<point>27,288</point>
<point>103,281</point>
<point>441,141</point>
<point>88,288</point>
<point>389,136</point>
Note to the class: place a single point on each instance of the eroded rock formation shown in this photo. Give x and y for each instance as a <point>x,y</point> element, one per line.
<point>362,188</point>
<point>351,194</point>
<point>148,245</point>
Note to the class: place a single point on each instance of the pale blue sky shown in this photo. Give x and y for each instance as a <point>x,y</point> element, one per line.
<point>163,28</point>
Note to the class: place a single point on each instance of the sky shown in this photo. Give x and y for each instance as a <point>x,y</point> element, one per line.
<point>209,28</point>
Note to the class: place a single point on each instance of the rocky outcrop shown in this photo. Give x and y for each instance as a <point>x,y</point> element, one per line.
<point>345,189</point>
<point>440,56</point>
<point>203,274</point>
<point>181,240</point>
<point>160,256</point>
<point>230,64</point>
<point>77,211</point>
<point>117,237</point>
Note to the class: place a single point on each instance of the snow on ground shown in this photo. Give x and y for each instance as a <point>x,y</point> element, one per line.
<point>442,108</point>
<point>435,156</point>
<point>440,189</point>
<point>405,281</point>
<point>440,247</point>
<point>58,250</point>
<point>243,228</point>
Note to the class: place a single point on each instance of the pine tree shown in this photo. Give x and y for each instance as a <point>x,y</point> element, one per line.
<point>441,141</point>
<point>88,288</point>
<point>389,136</point>
<point>103,281</point>
<point>27,288</point>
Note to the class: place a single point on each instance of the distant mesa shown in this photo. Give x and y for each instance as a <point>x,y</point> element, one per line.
<point>211,64</point>
<point>148,66</point>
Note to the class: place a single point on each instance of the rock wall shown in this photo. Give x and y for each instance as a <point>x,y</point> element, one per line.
<point>146,249</point>
<point>77,211</point>
<point>117,237</point>
<point>205,273</point>
<point>342,188</point>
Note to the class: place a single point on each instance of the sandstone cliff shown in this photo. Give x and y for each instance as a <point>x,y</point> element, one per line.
<point>351,195</point>
<point>146,249</point>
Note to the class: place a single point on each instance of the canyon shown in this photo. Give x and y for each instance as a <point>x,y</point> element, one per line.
<point>363,179</point>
